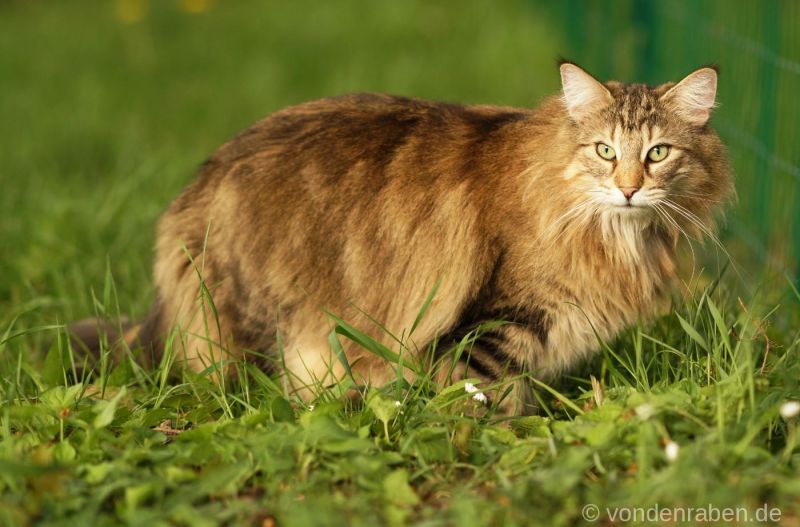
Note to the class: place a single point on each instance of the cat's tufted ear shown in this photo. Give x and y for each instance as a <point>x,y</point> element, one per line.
<point>693,97</point>
<point>583,94</point>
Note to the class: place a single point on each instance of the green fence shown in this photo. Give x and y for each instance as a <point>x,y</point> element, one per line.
<point>756,44</point>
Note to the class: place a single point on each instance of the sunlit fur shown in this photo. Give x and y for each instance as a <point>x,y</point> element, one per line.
<point>360,204</point>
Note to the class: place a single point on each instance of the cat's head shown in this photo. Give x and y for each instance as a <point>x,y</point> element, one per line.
<point>647,155</point>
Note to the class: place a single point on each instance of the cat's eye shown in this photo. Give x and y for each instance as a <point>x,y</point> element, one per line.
<point>658,152</point>
<point>605,151</point>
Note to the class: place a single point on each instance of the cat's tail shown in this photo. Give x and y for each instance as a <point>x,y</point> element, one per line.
<point>91,336</point>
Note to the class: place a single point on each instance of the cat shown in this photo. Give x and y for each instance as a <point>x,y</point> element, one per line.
<point>562,221</point>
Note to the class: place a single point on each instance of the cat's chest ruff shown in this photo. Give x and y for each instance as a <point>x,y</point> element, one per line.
<point>599,302</point>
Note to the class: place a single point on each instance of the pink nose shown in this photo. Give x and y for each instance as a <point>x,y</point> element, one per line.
<point>628,192</point>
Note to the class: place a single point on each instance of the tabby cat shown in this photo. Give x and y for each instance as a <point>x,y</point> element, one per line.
<point>561,221</point>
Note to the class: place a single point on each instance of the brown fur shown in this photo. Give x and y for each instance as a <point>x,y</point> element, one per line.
<point>362,202</point>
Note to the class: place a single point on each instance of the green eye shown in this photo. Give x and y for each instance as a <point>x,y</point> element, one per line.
<point>658,152</point>
<point>605,151</point>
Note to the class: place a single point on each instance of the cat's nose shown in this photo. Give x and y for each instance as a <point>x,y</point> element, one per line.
<point>628,192</point>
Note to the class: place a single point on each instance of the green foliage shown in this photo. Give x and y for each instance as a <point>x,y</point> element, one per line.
<point>703,377</point>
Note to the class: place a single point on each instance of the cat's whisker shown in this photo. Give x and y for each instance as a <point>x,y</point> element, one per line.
<point>660,210</point>
<point>564,218</point>
<point>698,197</point>
<point>563,229</point>
<point>693,218</point>
<point>586,206</point>
<point>696,221</point>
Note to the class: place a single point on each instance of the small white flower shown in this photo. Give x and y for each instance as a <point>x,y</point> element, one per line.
<point>398,403</point>
<point>790,409</point>
<point>310,407</point>
<point>671,450</point>
<point>477,394</point>
<point>645,411</point>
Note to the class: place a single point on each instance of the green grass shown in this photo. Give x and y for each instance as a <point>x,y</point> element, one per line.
<point>103,122</point>
<point>125,445</point>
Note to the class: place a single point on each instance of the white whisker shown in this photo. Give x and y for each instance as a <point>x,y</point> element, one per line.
<point>570,213</point>
<point>693,219</point>
<point>665,214</point>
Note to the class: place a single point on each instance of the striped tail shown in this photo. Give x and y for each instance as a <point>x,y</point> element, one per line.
<point>91,334</point>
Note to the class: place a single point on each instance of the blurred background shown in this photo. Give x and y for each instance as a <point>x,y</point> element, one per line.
<point>107,107</point>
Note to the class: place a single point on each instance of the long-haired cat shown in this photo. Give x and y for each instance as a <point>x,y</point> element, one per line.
<point>561,221</point>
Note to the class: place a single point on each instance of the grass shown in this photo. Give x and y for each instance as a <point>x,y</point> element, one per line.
<point>105,119</point>
<point>125,445</point>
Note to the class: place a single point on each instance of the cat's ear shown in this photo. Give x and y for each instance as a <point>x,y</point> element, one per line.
<point>583,94</point>
<point>693,97</point>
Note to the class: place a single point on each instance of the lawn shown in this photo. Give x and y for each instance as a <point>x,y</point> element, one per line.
<point>107,108</point>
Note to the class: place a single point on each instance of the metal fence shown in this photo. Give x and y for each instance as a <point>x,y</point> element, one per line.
<point>756,44</point>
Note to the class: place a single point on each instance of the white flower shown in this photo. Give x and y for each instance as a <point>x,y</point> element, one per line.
<point>477,394</point>
<point>310,407</point>
<point>645,411</point>
<point>480,397</point>
<point>398,403</point>
<point>671,450</point>
<point>790,409</point>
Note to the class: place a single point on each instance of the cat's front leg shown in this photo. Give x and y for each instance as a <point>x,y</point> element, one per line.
<point>496,358</point>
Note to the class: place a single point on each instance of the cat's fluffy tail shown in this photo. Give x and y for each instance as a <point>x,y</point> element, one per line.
<point>88,334</point>
<point>91,335</point>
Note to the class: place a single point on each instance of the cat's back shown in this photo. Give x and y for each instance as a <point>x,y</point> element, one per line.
<point>321,155</point>
<point>311,174</point>
<point>368,129</point>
